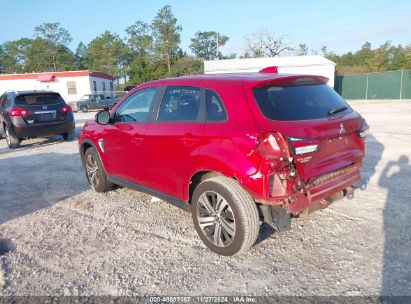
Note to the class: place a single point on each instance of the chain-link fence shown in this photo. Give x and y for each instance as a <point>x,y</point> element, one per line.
<point>383,85</point>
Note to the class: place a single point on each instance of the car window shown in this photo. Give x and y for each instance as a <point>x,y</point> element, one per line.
<point>136,108</point>
<point>39,99</point>
<point>180,104</point>
<point>215,108</point>
<point>288,103</point>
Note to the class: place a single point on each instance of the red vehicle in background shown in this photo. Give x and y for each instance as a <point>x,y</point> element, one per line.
<point>235,149</point>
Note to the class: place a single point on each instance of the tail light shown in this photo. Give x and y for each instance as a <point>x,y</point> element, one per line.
<point>18,112</point>
<point>273,145</point>
<point>303,145</point>
<point>66,109</point>
<point>362,132</point>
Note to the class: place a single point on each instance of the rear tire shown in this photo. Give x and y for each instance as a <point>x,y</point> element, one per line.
<point>12,141</point>
<point>225,216</point>
<point>69,136</point>
<point>84,109</point>
<point>95,173</point>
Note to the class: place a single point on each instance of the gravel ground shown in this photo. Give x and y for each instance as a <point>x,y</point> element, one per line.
<point>63,239</point>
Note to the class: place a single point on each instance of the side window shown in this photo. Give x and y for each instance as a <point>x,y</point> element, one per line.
<point>180,104</point>
<point>9,100</point>
<point>215,108</point>
<point>136,108</point>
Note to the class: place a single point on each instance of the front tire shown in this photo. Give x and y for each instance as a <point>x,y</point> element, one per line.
<point>95,173</point>
<point>12,141</point>
<point>84,109</point>
<point>225,216</point>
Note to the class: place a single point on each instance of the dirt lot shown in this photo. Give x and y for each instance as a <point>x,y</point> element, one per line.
<point>67,240</point>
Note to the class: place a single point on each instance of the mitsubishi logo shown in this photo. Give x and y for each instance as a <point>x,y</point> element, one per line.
<point>342,130</point>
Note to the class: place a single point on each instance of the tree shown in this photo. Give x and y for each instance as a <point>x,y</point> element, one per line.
<point>379,60</point>
<point>15,56</point>
<point>107,53</point>
<point>187,65</point>
<point>140,39</point>
<point>167,35</point>
<point>57,39</point>
<point>79,55</point>
<point>2,67</point>
<point>39,58</point>
<point>302,50</point>
<point>266,44</point>
<point>205,45</point>
<point>407,55</point>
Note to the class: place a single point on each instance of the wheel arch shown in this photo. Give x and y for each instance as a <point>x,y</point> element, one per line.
<point>84,146</point>
<point>198,177</point>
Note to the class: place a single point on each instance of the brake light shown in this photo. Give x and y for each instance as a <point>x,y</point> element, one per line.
<point>303,145</point>
<point>18,112</point>
<point>272,145</point>
<point>66,109</point>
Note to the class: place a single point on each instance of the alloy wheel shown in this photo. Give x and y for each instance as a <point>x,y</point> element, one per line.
<point>93,171</point>
<point>216,219</point>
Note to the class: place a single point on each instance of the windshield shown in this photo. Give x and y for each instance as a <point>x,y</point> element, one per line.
<point>288,103</point>
<point>39,99</point>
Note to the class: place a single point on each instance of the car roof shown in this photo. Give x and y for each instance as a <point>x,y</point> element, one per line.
<point>34,92</point>
<point>250,79</point>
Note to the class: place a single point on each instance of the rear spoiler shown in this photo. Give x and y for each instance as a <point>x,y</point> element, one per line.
<point>289,80</point>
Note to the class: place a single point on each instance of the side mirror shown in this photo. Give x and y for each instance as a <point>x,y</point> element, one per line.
<point>103,117</point>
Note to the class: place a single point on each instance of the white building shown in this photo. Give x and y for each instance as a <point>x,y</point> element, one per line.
<point>71,85</point>
<point>311,65</point>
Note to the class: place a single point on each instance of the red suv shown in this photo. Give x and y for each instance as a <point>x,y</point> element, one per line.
<point>235,149</point>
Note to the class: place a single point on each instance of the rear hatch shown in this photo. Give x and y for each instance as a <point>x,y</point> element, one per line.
<point>320,127</point>
<point>42,107</point>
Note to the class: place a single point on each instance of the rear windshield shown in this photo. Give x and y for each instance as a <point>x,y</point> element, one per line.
<point>39,99</point>
<point>299,102</point>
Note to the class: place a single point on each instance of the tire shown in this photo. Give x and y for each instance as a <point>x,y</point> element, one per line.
<point>84,109</point>
<point>231,210</point>
<point>12,141</point>
<point>69,136</point>
<point>95,173</point>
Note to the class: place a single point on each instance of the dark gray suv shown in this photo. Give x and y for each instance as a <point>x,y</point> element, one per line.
<point>28,114</point>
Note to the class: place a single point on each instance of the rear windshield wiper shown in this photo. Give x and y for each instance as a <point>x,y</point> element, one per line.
<point>336,110</point>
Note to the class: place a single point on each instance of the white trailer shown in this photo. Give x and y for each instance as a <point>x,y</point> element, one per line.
<point>71,85</point>
<point>311,65</point>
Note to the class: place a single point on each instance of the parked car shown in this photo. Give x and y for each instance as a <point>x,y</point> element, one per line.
<point>95,101</point>
<point>234,149</point>
<point>28,114</point>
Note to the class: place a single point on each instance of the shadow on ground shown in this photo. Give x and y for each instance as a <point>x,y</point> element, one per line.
<point>37,181</point>
<point>396,177</point>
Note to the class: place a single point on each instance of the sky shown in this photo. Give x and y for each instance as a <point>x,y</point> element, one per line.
<point>340,25</point>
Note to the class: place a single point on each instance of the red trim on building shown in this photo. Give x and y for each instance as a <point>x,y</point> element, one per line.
<point>57,75</point>
<point>46,78</point>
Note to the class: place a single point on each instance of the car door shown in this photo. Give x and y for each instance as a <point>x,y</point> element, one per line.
<point>174,138</point>
<point>124,139</point>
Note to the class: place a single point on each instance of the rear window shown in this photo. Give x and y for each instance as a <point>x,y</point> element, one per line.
<point>288,103</point>
<point>39,99</point>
